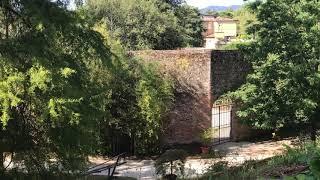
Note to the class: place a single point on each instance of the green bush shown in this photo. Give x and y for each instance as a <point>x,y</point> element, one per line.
<point>302,154</point>
<point>206,136</point>
<point>315,167</point>
<point>234,45</point>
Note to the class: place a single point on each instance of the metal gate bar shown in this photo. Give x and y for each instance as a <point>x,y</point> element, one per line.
<point>221,121</point>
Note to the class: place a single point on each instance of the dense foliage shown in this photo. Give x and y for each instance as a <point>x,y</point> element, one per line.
<point>62,81</point>
<point>229,13</point>
<point>246,17</point>
<point>50,102</point>
<point>282,90</point>
<point>152,24</point>
<point>174,3</point>
<point>189,26</point>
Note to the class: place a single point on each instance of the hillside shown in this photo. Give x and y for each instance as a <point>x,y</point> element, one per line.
<point>219,8</point>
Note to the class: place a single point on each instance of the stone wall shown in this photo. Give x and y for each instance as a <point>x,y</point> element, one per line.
<point>228,72</point>
<point>201,77</point>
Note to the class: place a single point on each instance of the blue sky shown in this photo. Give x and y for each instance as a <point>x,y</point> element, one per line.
<point>205,3</point>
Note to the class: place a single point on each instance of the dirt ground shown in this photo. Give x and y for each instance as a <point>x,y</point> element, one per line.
<point>235,153</point>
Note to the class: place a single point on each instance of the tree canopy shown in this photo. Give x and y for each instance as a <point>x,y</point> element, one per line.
<point>246,17</point>
<point>153,24</point>
<point>282,90</point>
<point>49,101</point>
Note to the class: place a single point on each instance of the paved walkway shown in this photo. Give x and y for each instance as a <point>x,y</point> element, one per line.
<point>234,153</point>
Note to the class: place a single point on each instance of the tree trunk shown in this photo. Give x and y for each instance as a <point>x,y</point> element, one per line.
<point>6,18</point>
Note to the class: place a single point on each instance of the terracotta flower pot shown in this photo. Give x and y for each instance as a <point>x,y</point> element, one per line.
<point>204,150</point>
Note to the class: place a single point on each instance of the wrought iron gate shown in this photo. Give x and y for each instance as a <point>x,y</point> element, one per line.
<point>222,123</point>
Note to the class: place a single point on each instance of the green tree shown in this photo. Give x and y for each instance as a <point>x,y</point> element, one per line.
<point>174,3</point>
<point>190,24</point>
<point>229,13</point>
<point>246,17</point>
<point>139,24</point>
<point>50,102</point>
<point>282,90</point>
<point>154,24</point>
<point>188,32</point>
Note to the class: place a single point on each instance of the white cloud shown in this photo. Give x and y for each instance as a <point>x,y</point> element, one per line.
<point>205,3</point>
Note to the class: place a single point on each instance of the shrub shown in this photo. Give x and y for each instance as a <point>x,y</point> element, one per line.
<point>315,167</point>
<point>207,136</point>
<point>302,154</point>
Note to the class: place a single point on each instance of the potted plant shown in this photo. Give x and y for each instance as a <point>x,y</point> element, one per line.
<point>171,164</point>
<point>206,138</point>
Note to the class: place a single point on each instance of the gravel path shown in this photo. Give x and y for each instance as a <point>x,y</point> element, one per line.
<point>235,153</point>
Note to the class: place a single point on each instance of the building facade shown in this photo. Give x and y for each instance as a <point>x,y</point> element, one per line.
<point>218,31</point>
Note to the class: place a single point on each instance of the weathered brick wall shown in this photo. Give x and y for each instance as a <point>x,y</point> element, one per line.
<point>229,71</point>
<point>201,77</point>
